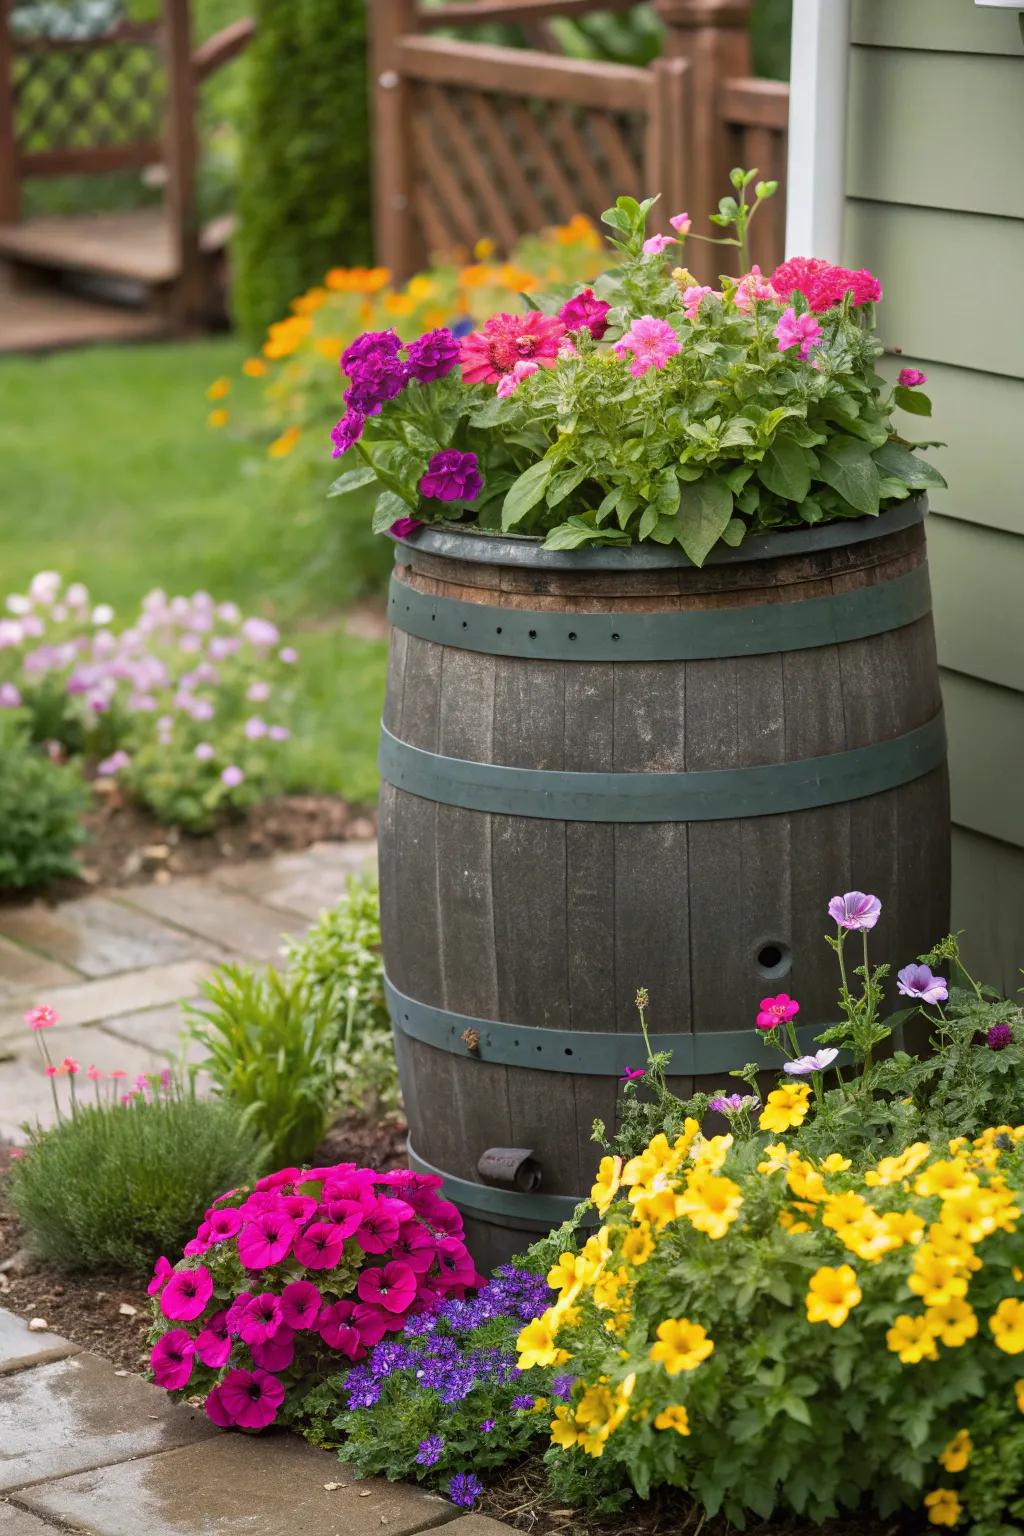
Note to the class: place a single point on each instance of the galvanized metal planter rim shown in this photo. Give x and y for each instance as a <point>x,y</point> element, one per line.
<point>520,550</point>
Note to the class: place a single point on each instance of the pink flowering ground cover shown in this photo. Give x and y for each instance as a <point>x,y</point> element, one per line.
<point>297,1278</point>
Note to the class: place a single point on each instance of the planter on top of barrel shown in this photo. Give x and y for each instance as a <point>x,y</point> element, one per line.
<point>662,678</point>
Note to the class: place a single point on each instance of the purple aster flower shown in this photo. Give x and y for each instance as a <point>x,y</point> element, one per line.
<point>918,982</point>
<point>999,1037</point>
<point>347,432</point>
<point>524,1400</point>
<point>452,476</point>
<point>429,1452</point>
<point>855,910</point>
<point>561,1386</point>
<point>433,356</point>
<point>487,1426</point>
<point>727,1103</point>
<point>803,1066</point>
<point>464,1489</point>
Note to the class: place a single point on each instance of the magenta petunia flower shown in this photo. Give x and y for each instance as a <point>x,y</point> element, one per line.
<point>652,342</point>
<point>999,1037</point>
<point>336,1326</point>
<point>373,1321</point>
<point>855,910</point>
<point>213,1344</point>
<point>391,1287</point>
<point>455,1262</point>
<point>223,1223</point>
<point>379,1226</point>
<point>320,1246</point>
<point>301,1303</point>
<point>656,245</point>
<point>251,1398</point>
<point>777,1010</point>
<point>452,476</point>
<point>186,1294</point>
<point>163,1269</point>
<point>347,1215</point>
<point>414,1246</point>
<point>274,1354</point>
<point>585,312</point>
<point>216,1411</point>
<point>277,1180</point>
<point>266,1240</point>
<point>171,1360</point>
<point>803,1066</point>
<point>403,526</point>
<point>261,1319</point>
<point>631,1074</point>
<point>795,330</point>
<point>917,981</point>
<point>910,378</point>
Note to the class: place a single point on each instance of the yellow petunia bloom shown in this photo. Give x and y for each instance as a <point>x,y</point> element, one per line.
<point>681,1346</point>
<point>283,445</point>
<point>536,1344</point>
<point>893,1170</point>
<point>254,367</point>
<point>957,1453</point>
<point>608,1183</point>
<point>1007,1325</point>
<point>943,1506</point>
<point>638,1245</point>
<point>805,1181</point>
<point>217,418</point>
<point>954,1322</point>
<point>657,1157</point>
<point>906,1226</point>
<point>219,389</point>
<point>674,1417</point>
<point>844,1210</point>
<point>792,1224</point>
<point>612,1290</point>
<point>711,1204</point>
<point>935,1278</point>
<point>563,1428</point>
<point>786,1108</point>
<point>911,1338</point>
<point>950,1176</point>
<point>832,1294</point>
<point>708,1156</point>
<point>777,1157</point>
<point>836,1163</point>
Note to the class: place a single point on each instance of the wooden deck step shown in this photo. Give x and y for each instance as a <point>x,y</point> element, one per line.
<point>135,245</point>
<point>46,319</point>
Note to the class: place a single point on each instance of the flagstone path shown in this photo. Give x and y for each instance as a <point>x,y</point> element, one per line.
<point>117,964</point>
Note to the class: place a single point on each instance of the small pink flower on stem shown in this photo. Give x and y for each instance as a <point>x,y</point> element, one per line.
<point>652,342</point>
<point>631,1074</point>
<point>681,223</point>
<point>910,378</point>
<point>69,1066</point>
<point>777,1010</point>
<point>41,1017</point>
<point>510,382</point>
<point>94,1074</point>
<point>795,330</point>
<point>658,244</point>
<point>693,297</point>
<point>855,910</point>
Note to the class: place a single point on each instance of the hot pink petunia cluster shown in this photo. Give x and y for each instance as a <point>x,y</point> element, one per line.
<point>333,1259</point>
<point>822,284</point>
<point>488,355</point>
<point>650,343</point>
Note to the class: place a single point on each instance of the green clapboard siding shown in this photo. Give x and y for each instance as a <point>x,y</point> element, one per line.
<point>977,584</point>
<point>931,262</point>
<point>988,880</point>
<point>986,751</point>
<point>971,156</point>
<point>980,417</point>
<point>956,26</point>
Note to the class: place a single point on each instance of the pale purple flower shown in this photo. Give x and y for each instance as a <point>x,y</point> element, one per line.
<point>10,698</point>
<point>204,752</point>
<point>44,586</point>
<point>681,223</point>
<point>804,1065</point>
<point>200,709</point>
<point>11,633</point>
<point>727,1103</point>
<point>288,654</point>
<point>102,614</point>
<point>228,613</point>
<point>258,692</point>
<point>232,776</point>
<point>917,981</point>
<point>855,910</point>
<point>114,764</point>
<point>260,632</point>
<point>279,733</point>
<point>255,728</point>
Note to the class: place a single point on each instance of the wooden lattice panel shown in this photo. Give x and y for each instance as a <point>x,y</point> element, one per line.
<point>502,165</point>
<point>110,93</point>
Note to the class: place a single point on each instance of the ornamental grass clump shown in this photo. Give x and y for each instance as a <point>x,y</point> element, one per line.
<point>296,1277</point>
<point>642,406</point>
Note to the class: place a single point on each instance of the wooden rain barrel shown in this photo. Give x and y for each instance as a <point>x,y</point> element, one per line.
<point>607,769</point>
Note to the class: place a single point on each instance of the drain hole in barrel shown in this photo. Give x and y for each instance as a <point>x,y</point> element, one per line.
<point>572,634</point>
<point>615,637</point>
<point>774,958</point>
<point>533,634</point>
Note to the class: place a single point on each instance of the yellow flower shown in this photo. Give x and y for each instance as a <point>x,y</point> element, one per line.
<point>935,1278</point>
<point>868,1238</point>
<point>790,1223</point>
<point>708,1156</point>
<point>681,1345</point>
<point>1018,1389</point>
<point>536,1344</point>
<point>891,1170</point>
<point>905,1226</point>
<point>912,1340</point>
<point>218,389</point>
<point>954,1322</point>
<point>831,1295</point>
<point>943,1507</point>
<point>484,249</point>
<point>638,1245</point>
<point>776,1158</point>
<point>786,1108</point>
<point>399,304</point>
<point>844,1210</point>
<point>420,289</point>
<point>674,1417</point>
<point>282,446</point>
<point>563,1428</point>
<point>309,303</point>
<point>835,1163</point>
<point>657,1157</point>
<point>948,1177</point>
<point>1007,1325</point>
<point>364,280</point>
<point>655,1209</point>
<point>254,367</point>
<point>957,1453</point>
<point>612,1290</point>
<point>218,418</point>
<point>951,1246</point>
<point>805,1181</point>
<point>609,1180</point>
<point>600,1412</point>
<point>711,1204</point>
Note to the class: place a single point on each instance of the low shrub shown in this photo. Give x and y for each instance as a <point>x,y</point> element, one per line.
<point>114,1183</point>
<point>341,955</point>
<point>284,1281</point>
<point>41,804</point>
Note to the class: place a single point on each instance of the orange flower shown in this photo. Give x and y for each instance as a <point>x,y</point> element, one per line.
<point>282,446</point>
<point>357,279</point>
<point>217,418</point>
<point>254,367</point>
<point>308,303</point>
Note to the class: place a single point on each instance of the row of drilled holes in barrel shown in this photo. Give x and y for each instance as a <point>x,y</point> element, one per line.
<point>499,629</point>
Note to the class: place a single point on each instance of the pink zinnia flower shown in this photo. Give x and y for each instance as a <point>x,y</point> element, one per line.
<point>585,312</point>
<point>266,1240</point>
<point>795,330</point>
<point>69,1066</point>
<point>910,378</point>
<point>681,223</point>
<point>777,1010</point>
<point>855,910</point>
<point>320,1246</point>
<point>658,244</point>
<point>301,1304</point>
<point>42,1017</point>
<point>186,1293</point>
<point>652,342</point>
<point>213,1344</point>
<point>163,1269</point>
<point>693,297</point>
<point>822,284</point>
<point>171,1360</point>
<point>506,340</point>
<point>508,385</point>
<point>251,1398</point>
<point>392,1287</point>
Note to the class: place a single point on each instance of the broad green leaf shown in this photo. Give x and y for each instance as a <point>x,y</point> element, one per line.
<point>527,491</point>
<point>388,510</point>
<point>705,508</point>
<point>353,480</point>
<point>563,483</point>
<point>847,466</point>
<point>649,521</point>
<point>912,400</point>
<point>786,469</point>
<point>734,532</point>
<point>575,532</point>
<point>894,459</point>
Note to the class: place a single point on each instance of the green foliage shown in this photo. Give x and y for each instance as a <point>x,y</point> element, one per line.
<point>340,956</point>
<point>115,1185</point>
<point>272,1055</point>
<point>41,804</point>
<point>304,188</point>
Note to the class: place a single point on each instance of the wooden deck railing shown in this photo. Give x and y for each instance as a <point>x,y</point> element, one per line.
<point>473,140</point>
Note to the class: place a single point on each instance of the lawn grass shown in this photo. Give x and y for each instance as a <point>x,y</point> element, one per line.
<point>111,476</point>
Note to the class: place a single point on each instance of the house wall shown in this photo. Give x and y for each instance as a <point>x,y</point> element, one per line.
<point>935,206</point>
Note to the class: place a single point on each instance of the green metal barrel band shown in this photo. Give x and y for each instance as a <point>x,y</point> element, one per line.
<point>489,1202</point>
<point>583,1053</point>
<point>757,630</point>
<point>769,789</point>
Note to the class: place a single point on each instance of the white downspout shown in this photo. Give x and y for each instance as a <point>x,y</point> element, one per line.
<point>819,87</point>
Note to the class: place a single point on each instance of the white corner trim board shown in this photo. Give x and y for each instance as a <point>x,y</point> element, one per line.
<point>816,187</point>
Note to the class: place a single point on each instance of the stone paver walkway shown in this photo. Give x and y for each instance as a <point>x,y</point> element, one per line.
<point>117,964</point>
<point>86,1449</point>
